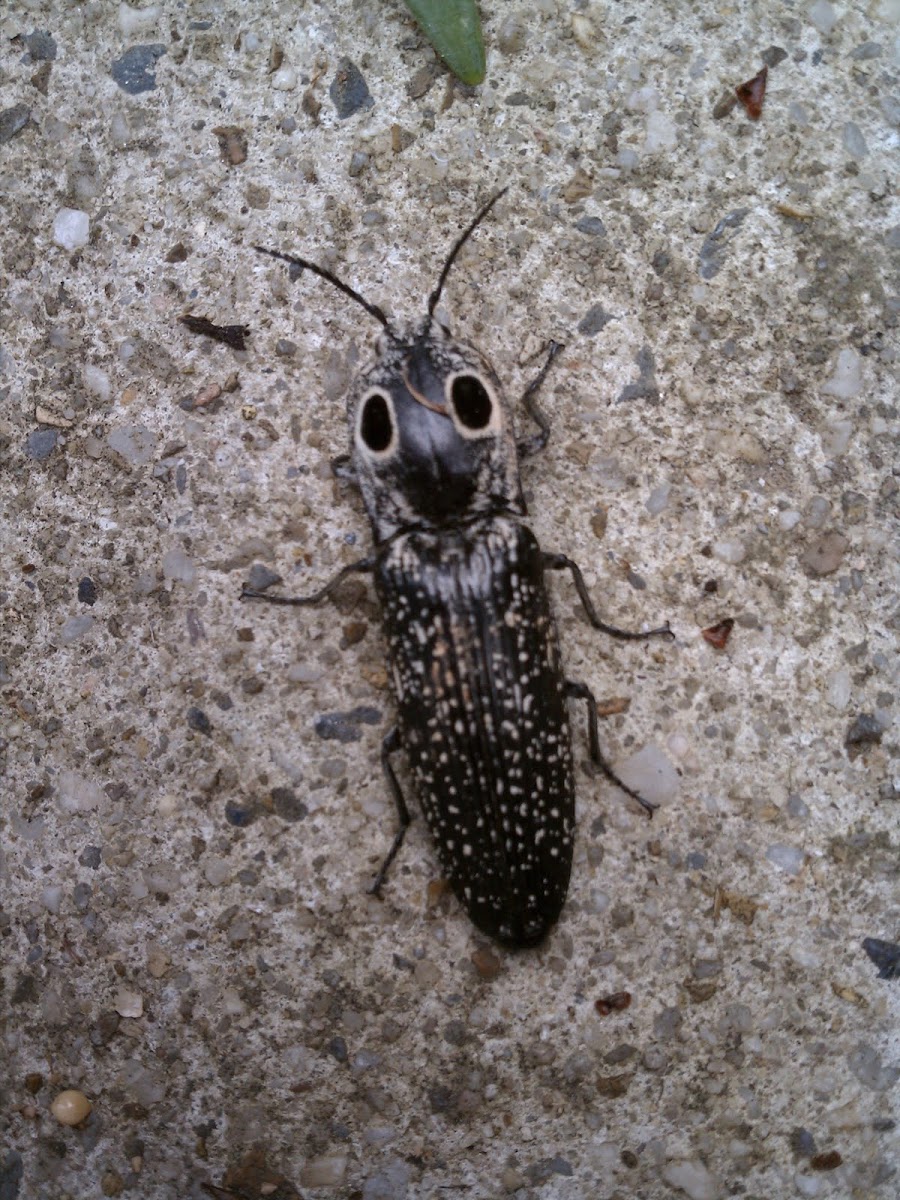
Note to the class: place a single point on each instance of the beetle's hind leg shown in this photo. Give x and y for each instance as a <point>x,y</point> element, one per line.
<point>580,691</point>
<point>559,562</point>
<point>359,567</point>
<point>389,745</point>
<point>537,441</point>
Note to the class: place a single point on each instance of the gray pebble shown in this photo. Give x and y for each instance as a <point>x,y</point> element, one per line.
<point>865,1063</point>
<point>773,56</point>
<point>645,388</point>
<point>712,254</point>
<point>390,1184</point>
<point>540,1172</point>
<point>825,554</point>
<point>260,577</point>
<point>854,142</point>
<point>866,50</point>
<point>788,858</point>
<point>591,225</point>
<point>865,731</point>
<point>199,721</point>
<point>75,628</point>
<point>344,726</point>
<point>41,46</point>
<point>359,160</point>
<point>41,443</point>
<point>287,805</point>
<point>135,71</point>
<point>348,91</point>
<point>12,121</point>
<point>595,319</point>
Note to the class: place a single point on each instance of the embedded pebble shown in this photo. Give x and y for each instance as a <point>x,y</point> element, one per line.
<point>866,1064</point>
<point>75,794</point>
<point>825,554</point>
<point>75,628</point>
<point>391,1183</point>
<point>129,1004</point>
<point>41,443</point>
<point>651,773</point>
<point>661,133</point>
<point>692,1178</point>
<point>846,382</point>
<point>12,121</point>
<point>854,142</point>
<point>837,692</point>
<point>788,519</point>
<point>135,443</point>
<point>327,1171</point>
<point>41,45</point>
<point>51,898</point>
<point>809,1185</point>
<point>136,20</point>
<point>96,381</point>
<point>823,16</point>
<point>178,566</point>
<point>284,79</point>
<point>837,439</point>
<point>344,726</point>
<point>591,225</point>
<point>658,500</point>
<point>71,228</point>
<point>733,552</point>
<point>595,319</point>
<point>348,91</point>
<point>71,1107</point>
<point>135,71</point>
<point>787,858</point>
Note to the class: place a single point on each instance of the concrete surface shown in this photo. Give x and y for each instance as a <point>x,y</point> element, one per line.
<point>186,936</point>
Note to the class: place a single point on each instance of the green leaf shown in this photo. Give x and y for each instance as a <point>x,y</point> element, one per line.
<point>454,29</point>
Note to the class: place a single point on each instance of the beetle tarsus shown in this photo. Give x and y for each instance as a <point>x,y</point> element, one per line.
<point>581,691</point>
<point>537,441</point>
<point>559,562</point>
<point>390,743</point>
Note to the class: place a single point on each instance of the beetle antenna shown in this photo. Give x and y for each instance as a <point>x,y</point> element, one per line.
<point>458,245</point>
<point>305,265</point>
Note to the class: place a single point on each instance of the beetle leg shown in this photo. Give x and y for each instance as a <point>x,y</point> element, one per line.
<point>581,691</point>
<point>358,567</point>
<point>537,441</point>
<point>343,469</point>
<point>559,562</point>
<point>389,744</point>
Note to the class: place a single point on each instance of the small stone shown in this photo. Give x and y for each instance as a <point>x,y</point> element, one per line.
<point>487,965</point>
<point>177,566</point>
<point>325,1172</point>
<point>595,319</point>
<point>133,21</point>
<point>854,142</point>
<point>96,381</point>
<point>865,1063</point>
<point>12,121</point>
<point>348,91</point>
<point>787,858</point>
<point>650,773</point>
<point>287,804</point>
<point>260,577</point>
<point>41,443</point>
<point>238,814</point>
<point>135,443</point>
<point>359,160</point>
<point>825,554</point>
<point>199,721</point>
<point>232,144</point>
<point>846,382</point>
<point>692,1178</point>
<point>135,71</point>
<point>344,726</point>
<point>71,1107</point>
<point>76,794</point>
<point>71,228</point>
<point>592,226</point>
<point>87,591</point>
<point>837,691</point>
<point>578,187</point>
<point>865,731</point>
<point>729,551</point>
<point>661,133</point>
<point>823,16</point>
<point>129,1004</point>
<point>284,79</point>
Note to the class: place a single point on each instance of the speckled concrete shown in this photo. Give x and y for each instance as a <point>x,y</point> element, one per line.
<point>186,935</point>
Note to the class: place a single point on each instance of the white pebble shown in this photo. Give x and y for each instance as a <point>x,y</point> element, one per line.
<point>823,16</point>
<point>51,897</point>
<point>846,382</point>
<point>809,1185</point>
<point>75,794</point>
<point>804,957</point>
<point>129,1004</point>
<point>135,443</point>
<point>837,692</point>
<point>216,871</point>
<point>75,628</point>
<point>854,142</point>
<point>644,100</point>
<point>729,552</point>
<point>134,20</point>
<point>178,566</point>
<point>837,439</point>
<point>327,1171</point>
<point>692,1178</point>
<point>658,500</point>
<point>662,133</point>
<point>71,228</point>
<point>284,79</point>
<point>651,773</point>
<point>788,519</point>
<point>96,381</point>
<point>787,858</point>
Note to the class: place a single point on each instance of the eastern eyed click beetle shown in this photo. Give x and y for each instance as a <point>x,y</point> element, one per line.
<point>482,708</point>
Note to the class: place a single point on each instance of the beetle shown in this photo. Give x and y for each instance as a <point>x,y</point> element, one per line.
<point>481,696</point>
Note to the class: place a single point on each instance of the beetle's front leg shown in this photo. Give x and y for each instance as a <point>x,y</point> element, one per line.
<point>559,562</point>
<point>357,568</point>
<point>581,691</point>
<point>391,743</point>
<point>537,441</point>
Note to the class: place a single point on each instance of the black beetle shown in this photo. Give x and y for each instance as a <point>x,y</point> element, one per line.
<point>482,700</point>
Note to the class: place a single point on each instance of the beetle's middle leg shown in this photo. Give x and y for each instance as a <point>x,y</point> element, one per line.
<point>537,441</point>
<point>355,568</point>
<point>389,744</point>
<point>559,562</point>
<point>580,691</point>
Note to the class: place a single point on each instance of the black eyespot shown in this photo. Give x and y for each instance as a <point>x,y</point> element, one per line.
<point>471,402</point>
<point>375,427</point>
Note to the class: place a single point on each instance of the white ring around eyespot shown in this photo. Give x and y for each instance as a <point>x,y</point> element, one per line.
<point>362,445</point>
<point>495,424</point>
